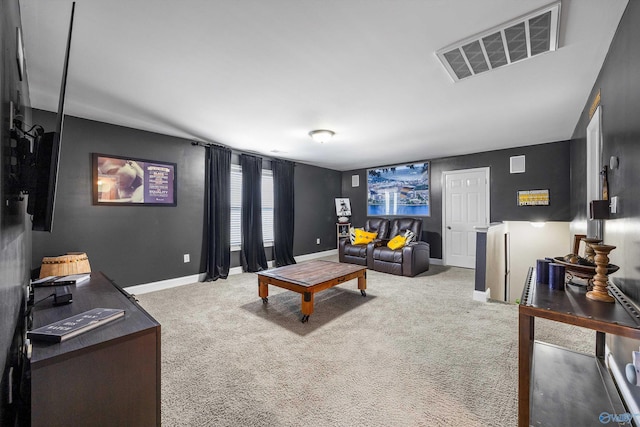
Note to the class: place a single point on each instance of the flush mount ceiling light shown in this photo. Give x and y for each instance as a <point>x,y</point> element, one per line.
<point>321,135</point>
<point>519,39</point>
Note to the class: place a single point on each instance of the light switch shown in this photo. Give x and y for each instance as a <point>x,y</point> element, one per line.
<point>613,205</point>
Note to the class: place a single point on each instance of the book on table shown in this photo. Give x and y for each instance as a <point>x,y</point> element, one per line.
<point>75,325</point>
<point>72,279</point>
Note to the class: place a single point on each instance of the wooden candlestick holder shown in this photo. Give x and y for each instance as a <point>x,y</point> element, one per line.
<point>601,279</point>
<point>589,253</point>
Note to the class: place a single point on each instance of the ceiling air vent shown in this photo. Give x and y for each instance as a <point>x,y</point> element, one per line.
<point>518,39</point>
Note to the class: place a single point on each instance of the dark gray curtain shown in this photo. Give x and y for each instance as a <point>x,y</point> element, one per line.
<point>218,174</point>
<point>283,212</point>
<point>252,252</point>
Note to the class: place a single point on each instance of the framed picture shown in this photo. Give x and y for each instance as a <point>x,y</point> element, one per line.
<point>399,190</point>
<point>343,207</point>
<point>122,181</point>
<point>533,198</point>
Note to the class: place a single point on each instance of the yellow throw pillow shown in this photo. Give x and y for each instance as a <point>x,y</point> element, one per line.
<point>352,235</point>
<point>397,242</point>
<point>364,237</point>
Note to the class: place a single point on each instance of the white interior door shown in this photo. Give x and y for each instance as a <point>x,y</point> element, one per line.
<point>466,205</point>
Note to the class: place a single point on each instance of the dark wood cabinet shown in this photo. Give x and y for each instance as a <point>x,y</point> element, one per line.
<point>560,387</point>
<point>104,377</point>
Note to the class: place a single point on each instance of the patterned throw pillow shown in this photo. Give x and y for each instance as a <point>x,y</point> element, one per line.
<point>410,236</point>
<point>364,237</point>
<point>352,234</point>
<point>397,242</point>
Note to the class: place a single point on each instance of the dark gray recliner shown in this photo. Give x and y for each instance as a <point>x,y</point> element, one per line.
<point>357,254</point>
<point>410,260</point>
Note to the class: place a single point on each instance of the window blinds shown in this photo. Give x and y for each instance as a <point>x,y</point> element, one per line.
<point>236,206</point>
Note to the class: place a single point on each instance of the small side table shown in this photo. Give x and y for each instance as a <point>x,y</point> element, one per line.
<point>342,229</point>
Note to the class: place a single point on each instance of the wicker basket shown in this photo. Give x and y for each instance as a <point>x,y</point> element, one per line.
<point>71,263</point>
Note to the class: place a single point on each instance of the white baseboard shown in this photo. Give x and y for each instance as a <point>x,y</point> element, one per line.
<point>482,296</point>
<point>435,261</point>
<point>187,280</point>
<point>300,258</point>
<point>315,255</point>
<point>165,284</point>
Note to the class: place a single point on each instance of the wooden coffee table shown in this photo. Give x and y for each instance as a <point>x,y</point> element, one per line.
<point>310,277</point>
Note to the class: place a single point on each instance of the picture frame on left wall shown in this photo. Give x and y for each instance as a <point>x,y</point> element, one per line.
<point>122,181</point>
<point>19,53</point>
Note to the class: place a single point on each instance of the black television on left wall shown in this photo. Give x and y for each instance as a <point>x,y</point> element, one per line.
<point>44,179</point>
<point>42,195</point>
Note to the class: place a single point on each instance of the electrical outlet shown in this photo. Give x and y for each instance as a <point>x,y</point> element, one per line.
<point>614,204</point>
<point>187,258</point>
<point>318,241</point>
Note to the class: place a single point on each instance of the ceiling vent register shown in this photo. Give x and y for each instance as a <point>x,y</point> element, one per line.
<point>513,41</point>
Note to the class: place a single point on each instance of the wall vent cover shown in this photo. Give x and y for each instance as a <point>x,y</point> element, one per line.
<point>513,41</point>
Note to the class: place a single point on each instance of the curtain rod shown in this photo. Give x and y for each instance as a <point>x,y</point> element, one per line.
<point>207,144</point>
<point>234,151</point>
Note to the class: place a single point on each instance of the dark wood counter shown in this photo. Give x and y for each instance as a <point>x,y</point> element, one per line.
<point>557,386</point>
<point>104,377</point>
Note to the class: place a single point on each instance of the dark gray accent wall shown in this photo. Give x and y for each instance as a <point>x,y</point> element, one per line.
<point>620,101</point>
<point>315,210</point>
<point>547,167</point>
<point>15,232</point>
<point>143,244</point>
<point>131,244</point>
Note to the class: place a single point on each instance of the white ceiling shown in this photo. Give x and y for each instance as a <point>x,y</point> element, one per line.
<point>258,75</point>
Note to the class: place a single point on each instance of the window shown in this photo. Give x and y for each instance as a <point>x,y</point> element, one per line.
<point>236,206</point>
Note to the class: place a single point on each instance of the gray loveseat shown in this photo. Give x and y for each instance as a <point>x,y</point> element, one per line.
<point>357,254</point>
<point>410,260</point>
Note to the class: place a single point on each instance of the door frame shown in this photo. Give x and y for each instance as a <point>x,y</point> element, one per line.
<point>594,165</point>
<point>443,184</point>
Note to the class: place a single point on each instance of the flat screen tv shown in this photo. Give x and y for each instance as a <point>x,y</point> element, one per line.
<point>44,181</point>
<point>42,194</point>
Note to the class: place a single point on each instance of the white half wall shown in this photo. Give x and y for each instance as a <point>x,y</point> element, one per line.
<point>529,243</point>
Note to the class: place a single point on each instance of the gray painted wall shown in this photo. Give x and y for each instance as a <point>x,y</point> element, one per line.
<point>15,232</point>
<point>315,212</point>
<point>131,244</point>
<point>547,167</point>
<point>143,244</point>
<point>620,101</point>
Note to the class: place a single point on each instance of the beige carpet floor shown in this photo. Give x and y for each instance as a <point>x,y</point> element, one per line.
<point>413,352</point>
